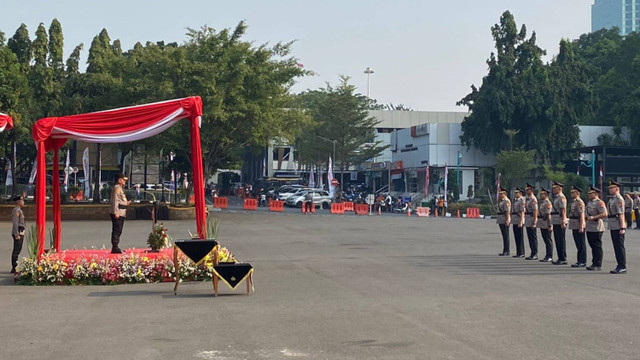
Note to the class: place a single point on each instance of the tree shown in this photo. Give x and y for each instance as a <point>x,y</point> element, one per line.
<point>340,115</point>
<point>567,179</point>
<point>514,166</point>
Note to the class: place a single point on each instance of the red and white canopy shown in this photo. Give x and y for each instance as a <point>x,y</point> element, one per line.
<point>6,123</point>
<point>115,126</point>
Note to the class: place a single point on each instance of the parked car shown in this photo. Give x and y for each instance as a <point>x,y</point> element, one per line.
<point>285,191</point>
<point>321,199</point>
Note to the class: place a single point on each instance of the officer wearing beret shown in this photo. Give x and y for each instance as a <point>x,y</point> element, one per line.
<point>617,226</point>
<point>559,221</point>
<point>504,219</point>
<point>544,223</point>
<point>531,221</point>
<point>577,225</point>
<point>517,218</point>
<point>17,231</point>
<point>596,211</point>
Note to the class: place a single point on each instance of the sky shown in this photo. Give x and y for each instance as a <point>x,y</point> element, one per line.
<point>425,54</point>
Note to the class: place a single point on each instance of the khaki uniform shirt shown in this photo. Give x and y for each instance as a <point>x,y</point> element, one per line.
<point>544,209</point>
<point>595,207</point>
<point>636,203</point>
<point>559,208</point>
<point>530,206</point>
<point>576,213</point>
<point>504,207</point>
<point>616,212</point>
<point>17,217</point>
<point>118,201</point>
<point>517,210</point>
<point>628,204</point>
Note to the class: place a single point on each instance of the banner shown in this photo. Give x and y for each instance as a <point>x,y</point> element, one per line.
<point>66,176</point>
<point>9,180</point>
<point>330,177</point>
<point>426,183</point>
<point>34,171</point>
<point>446,182</point>
<point>312,181</point>
<point>87,172</point>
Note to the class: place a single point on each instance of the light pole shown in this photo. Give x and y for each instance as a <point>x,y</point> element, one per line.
<point>592,165</point>
<point>368,71</point>
<point>458,172</point>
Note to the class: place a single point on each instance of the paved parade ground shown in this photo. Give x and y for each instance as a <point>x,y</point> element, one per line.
<point>335,287</point>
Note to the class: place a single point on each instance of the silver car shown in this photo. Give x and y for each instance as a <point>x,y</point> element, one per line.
<point>321,199</point>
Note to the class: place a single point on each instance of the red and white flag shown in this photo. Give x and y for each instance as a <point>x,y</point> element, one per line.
<point>426,183</point>
<point>446,181</point>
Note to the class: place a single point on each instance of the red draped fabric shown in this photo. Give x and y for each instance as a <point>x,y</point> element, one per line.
<point>6,123</point>
<point>115,126</point>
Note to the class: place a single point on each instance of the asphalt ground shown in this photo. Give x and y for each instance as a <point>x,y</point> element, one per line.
<point>335,287</point>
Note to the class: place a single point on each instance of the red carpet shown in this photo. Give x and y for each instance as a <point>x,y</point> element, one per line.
<point>71,254</point>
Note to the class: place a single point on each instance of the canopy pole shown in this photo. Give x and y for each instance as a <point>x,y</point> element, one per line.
<point>56,201</point>
<point>198,177</point>
<point>41,203</point>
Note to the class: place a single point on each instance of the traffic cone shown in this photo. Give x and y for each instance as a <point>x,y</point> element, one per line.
<point>379,210</point>
<point>435,213</point>
<point>408,212</point>
<point>458,214</point>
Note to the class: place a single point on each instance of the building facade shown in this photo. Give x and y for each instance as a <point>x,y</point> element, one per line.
<point>623,14</point>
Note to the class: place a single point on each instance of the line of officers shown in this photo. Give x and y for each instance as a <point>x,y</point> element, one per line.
<point>553,217</point>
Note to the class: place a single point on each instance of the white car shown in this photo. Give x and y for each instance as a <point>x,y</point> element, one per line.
<point>290,191</point>
<point>321,199</point>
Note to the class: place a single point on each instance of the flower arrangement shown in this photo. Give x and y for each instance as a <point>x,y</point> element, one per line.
<point>158,238</point>
<point>129,269</point>
<point>225,256</point>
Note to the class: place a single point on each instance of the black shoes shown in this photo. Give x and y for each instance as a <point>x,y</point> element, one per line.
<point>578,264</point>
<point>505,253</point>
<point>618,271</point>
<point>518,256</point>
<point>559,262</point>
<point>546,259</point>
<point>594,268</point>
<point>532,257</point>
<point>13,271</point>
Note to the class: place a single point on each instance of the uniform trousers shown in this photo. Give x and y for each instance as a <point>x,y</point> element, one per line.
<point>518,237</point>
<point>561,245</point>
<point>618,248</point>
<point>504,230</point>
<point>532,235</point>
<point>627,217</point>
<point>637,211</point>
<point>548,243</point>
<point>578,238</point>
<point>116,230</point>
<point>17,247</point>
<point>595,242</point>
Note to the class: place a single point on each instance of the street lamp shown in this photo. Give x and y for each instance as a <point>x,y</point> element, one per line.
<point>592,164</point>
<point>368,71</point>
<point>458,172</point>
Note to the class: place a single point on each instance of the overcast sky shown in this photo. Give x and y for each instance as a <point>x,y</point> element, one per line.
<point>425,54</point>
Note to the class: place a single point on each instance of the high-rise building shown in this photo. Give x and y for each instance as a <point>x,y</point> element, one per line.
<point>624,14</point>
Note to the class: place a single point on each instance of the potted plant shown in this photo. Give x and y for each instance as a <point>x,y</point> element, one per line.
<point>158,238</point>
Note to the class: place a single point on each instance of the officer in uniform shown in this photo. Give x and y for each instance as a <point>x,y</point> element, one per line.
<point>531,221</point>
<point>17,231</point>
<point>544,223</point>
<point>628,207</point>
<point>118,212</point>
<point>596,211</point>
<point>559,222</point>
<point>503,220</point>
<point>617,226</point>
<point>517,219</point>
<point>577,225</point>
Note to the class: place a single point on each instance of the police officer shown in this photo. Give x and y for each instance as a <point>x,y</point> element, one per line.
<point>596,211</point>
<point>17,231</point>
<point>577,225</point>
<point>118,212</point>
<point>531,221</point>
<point>559,221</point>
<point>504,219</point>
<point>544,223</point>
<point>517,219</point>
<point>617,226</point>
<point>628,207</point>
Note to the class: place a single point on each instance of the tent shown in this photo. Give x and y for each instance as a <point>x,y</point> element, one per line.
<point>6,123</point>
<point>114,126</point>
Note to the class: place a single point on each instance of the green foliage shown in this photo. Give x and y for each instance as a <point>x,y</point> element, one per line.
<point>338,114</point>
<point>213,227</point>
<point>568,179</point>
<point>514,166</point>
<point>32,242</point>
